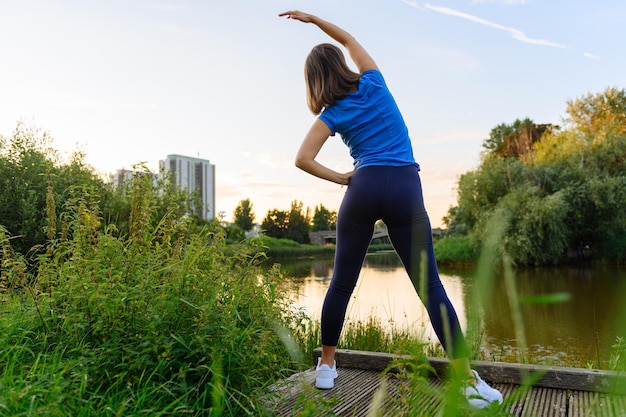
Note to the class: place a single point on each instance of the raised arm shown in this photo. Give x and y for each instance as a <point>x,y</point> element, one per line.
<point>358,54</point>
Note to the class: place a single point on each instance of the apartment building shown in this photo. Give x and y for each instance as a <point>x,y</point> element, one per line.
<point>195,175</point>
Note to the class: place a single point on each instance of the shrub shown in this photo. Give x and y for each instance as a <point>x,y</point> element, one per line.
<point>451,249</point>
<point>160,323</point>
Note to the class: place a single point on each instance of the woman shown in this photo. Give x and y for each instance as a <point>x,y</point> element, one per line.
<point>384,184</point>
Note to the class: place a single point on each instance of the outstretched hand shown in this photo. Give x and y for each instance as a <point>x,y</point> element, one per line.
<point>298,15</point>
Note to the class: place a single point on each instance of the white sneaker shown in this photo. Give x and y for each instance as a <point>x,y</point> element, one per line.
<point>325,375</point>
<point>481,394</point>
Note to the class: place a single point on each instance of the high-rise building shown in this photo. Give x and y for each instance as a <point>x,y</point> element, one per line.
<point>194,175</point>
<point>123,176</point>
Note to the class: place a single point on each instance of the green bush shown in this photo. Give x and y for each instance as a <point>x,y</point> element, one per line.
<point>286,248</point>
<point>451,249</point>
<point>160,323</point>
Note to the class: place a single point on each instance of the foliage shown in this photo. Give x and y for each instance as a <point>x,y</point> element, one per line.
<point>28,167</point>
<point>480,191</point>
<point>496,144</point>
<point>378,247</point>
<point>162,322</point>
<point>278,249</point>
<point>294,224</point>
<point>234,233</point>
<point>324,219</point>
<point>537,232</point>
<point>32,172</point>
<point>275,224</point>
<point>244,215</point>
<point>451,249</point>
<point>566,187</point>
<point>299,223</point>
<point>272,242</point>
<point>596,116</point>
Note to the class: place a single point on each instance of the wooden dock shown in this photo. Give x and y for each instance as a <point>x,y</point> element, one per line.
<point>363,389</point>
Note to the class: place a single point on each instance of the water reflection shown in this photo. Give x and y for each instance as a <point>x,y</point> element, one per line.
<point>583,328</point>
<point>579,330</point>
<point>383,291</point>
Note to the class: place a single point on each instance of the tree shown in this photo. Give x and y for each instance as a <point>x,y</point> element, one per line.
<point>553,187</point>
<point>293,224</point>
<point>275,224</point>
<point>243,215</point>
<point>480,191</point>
<point>537,229</point>
<point>34,182</point>
<point>298,225</point>
<point>598,115</point>
<point>514,140</point>
<point>324,219</point>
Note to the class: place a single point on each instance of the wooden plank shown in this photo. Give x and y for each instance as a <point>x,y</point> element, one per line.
<point>594,404</point>
<point>360,392</point>
<point>356,397</point>
<point>552,376</point>
<point>356,393</point>
<point>547,402</point>
<point>351,395</point>
<point>498,372</point>
<point>544,402</point>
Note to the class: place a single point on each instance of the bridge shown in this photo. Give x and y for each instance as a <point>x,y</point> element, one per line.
<point>325,237</point>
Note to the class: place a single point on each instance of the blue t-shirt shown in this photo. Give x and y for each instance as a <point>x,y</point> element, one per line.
<point>371,124</point>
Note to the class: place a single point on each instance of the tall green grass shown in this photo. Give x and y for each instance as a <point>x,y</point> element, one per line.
<point>170,320</point>
<point>164,321</point>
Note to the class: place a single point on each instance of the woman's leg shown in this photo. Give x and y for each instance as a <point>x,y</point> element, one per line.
<point>411,234</point>
<point>355,225</point>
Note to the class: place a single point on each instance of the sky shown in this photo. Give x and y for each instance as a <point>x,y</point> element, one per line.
<point>132,81</point>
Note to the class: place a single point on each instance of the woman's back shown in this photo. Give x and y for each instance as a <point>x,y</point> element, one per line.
<point>371,124</point>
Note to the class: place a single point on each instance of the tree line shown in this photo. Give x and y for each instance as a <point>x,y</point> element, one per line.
<point>294,224</point>
<point>542,190</point>
<point>543,194</point>
<point>37,183</point>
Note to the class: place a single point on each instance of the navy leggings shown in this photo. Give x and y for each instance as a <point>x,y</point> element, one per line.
<point>393,195</point>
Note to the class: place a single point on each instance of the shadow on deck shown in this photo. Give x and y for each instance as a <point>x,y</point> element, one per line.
<point>362,389</point>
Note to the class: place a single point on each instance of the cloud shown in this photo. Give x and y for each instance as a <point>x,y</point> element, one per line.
<point>591,56</point>
<point>515,33</point>
<point>411,3</point>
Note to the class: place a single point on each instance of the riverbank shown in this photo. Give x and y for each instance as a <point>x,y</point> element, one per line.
<point>288,249</point>
<point>451,251</point>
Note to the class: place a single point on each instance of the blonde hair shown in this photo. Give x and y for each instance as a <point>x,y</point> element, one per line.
<point>328,77</point>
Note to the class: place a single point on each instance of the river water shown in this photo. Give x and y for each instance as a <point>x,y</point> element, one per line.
<point>578,328</point>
